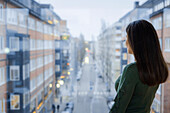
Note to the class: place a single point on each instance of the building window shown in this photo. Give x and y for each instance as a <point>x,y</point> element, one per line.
<point>26,71</point>
<point>2,77</point>
<point>33,84</point>
<point>124,56</point>
<point>167,18</point>
<point>57,56</point>
<point>2,43</point>
<point>32,44</point>
<point>14,73</point>
<point>1,12</point>
<point>158,6</point>
<point>25,44</point>
<point>157,23</point>
<point>12,16</point>
<point>57,68</point>
<point>32,64</point>
<point>167,3</point>
<point>22,20</point>
<point>39,26</point>
<point>26,99</point>
<point>57,44</point>
<point>167,44</point>
<point>14,44</point>
<point>31,23</point>
<point>15,102</point>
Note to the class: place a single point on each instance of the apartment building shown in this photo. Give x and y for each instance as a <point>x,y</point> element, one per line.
<point>108,54</point>
<point>27,56</point>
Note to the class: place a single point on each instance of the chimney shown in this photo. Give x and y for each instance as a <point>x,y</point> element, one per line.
<point>136,4</point>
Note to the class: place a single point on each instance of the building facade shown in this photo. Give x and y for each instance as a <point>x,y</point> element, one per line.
<point>27,56</point>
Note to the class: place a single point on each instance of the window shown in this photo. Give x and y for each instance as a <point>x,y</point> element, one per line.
<point>167,18</point>
<point>31,23</point>
<point>57,56</point>
<point>32,105</point>
<point>57,68</point>
<point>15,102</point>
<point>167,44</point>
<point>32,64</point>
<point>12,16</point>
<point>2,77</point>
<point>1,12</point>
<point>26,71</point>
<point>39,26</point>
<point>14,73</point>
<point>33,84</point>
<point>32,44</point>
<point>39,62</point>
<point>22,20</point>
<point>25,44</point>
<point>124,56</point>
<point>2,43</point>
<point>26,99</point>
<point>157,23</point>
<point>167,2</point>
<point>14,44</point>
<point>2,106</point>
<point>158,6</point>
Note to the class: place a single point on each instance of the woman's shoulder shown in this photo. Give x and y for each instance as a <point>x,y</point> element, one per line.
<point>131,71</point>
<point>131,67</point>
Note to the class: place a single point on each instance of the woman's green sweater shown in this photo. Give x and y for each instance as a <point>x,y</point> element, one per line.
<point>132,95</point>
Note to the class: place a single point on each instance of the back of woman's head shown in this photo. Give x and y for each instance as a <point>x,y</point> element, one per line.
<point>144,42</point>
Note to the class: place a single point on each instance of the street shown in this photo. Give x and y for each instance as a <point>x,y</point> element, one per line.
<point>91,93</point>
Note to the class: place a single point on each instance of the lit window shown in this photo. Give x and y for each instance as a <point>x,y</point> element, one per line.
<point>15,102</point>
<point>14,73</point>
<point>14,44</point>
<point>124,56</point>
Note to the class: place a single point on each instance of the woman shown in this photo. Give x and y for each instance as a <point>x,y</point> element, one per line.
<point>139,82</point>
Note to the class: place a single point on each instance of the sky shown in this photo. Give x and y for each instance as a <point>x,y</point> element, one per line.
<point>85,16</point>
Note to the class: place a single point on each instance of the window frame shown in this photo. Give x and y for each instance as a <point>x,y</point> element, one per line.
<point>16,67</point>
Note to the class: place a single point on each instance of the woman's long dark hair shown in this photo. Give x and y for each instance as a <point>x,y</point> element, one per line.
<point>143,40</point>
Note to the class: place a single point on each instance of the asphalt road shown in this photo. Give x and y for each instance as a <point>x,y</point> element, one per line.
<point>90,96</point>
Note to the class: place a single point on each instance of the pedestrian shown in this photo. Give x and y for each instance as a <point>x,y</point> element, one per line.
<point>53,107</point>
<point>60,100</point>
<point>58,108</point>
<point>137,86</point>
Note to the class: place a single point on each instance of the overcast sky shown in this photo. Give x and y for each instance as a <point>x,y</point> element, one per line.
<point>84,16</point>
